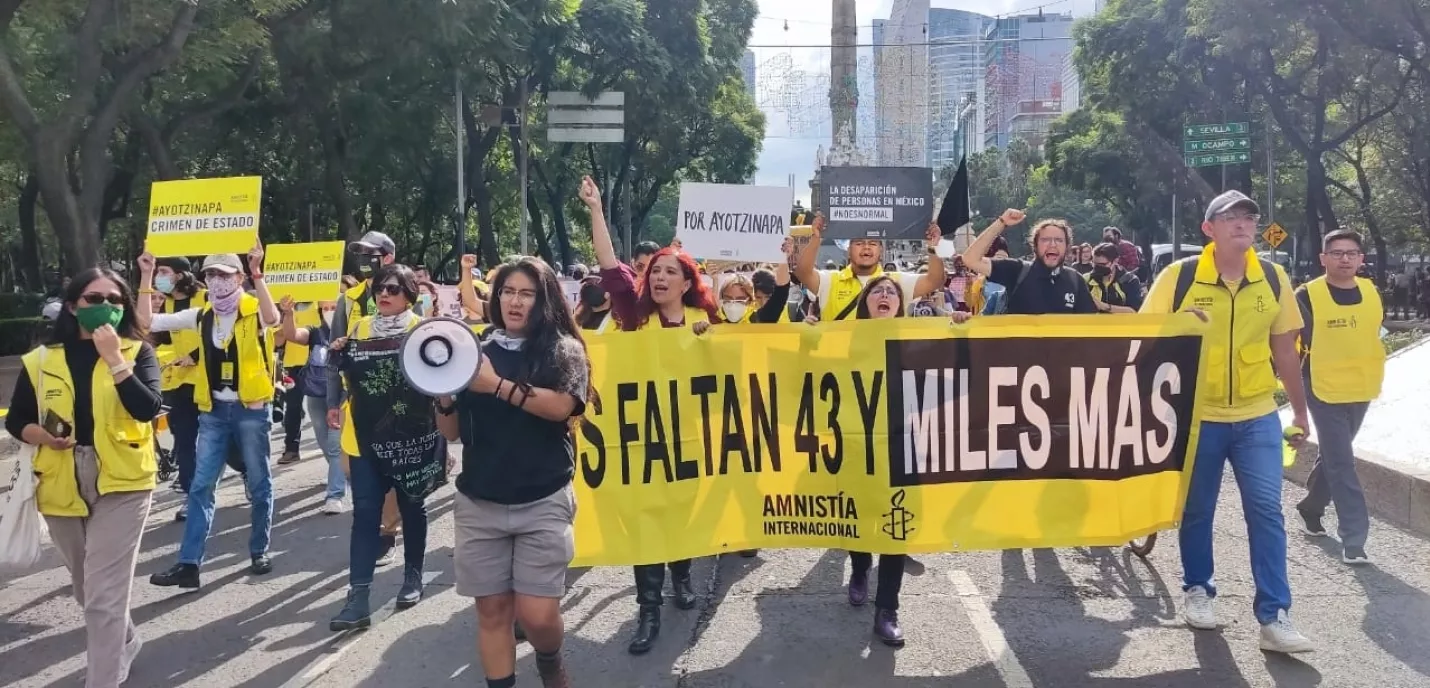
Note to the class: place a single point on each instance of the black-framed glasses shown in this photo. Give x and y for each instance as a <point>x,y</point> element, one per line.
<point>1340,255</point>
<point>390,289</point>
<point>94,299</point>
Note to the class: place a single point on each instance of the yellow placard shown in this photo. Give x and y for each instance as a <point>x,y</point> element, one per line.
<point>200,217</point>
<point>307,272</point>
<point>895,436</point>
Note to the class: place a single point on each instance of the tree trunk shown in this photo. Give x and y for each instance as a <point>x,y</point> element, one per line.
<point>31,274</point>
<point>78,238</point>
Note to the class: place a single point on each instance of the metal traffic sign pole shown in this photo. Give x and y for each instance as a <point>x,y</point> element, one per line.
<point>574,118</point>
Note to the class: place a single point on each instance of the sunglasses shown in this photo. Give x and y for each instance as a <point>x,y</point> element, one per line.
<point>96,299</point>
<point>390,289</point>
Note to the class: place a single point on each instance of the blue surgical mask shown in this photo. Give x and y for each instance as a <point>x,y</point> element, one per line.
<point>164,283</point>
<point>424,303</point>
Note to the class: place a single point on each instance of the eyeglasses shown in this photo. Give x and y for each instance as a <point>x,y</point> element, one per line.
<point>1231,216</point>
<point>390,289</point>
<point>95,299</point>
<point>885,290</point>
<point>522,295</point>
<point>1052,240</point>
<point>1342,255</point>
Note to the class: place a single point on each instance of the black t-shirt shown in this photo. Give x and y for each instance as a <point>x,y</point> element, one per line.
<point>1043,291</point>
<point>510,456</point>
<point>1341,296</point>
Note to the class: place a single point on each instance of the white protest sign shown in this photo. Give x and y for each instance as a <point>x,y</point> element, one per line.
<point>572,289</point>
<point>734,221</point>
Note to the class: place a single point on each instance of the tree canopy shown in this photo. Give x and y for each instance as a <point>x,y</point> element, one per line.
<point>348,110</point>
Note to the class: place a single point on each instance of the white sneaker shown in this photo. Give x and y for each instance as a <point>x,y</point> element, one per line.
<point>334,506</point>
<point>1281,636</point>
<point>1199,609</point>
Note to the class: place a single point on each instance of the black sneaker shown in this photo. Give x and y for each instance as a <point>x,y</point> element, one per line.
<point>179,575</point>
<point>289,457</point>
<point>1311,525</point>
<point>1355,556</point>
<point>411,592</point>
<point>261,565</point>
<point>182,514</point>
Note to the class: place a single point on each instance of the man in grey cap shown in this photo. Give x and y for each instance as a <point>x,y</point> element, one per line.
<point>1254,323</point>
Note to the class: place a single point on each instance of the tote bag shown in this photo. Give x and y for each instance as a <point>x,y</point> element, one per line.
<point>22,528</point>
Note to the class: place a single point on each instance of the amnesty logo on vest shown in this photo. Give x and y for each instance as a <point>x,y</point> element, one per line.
<point>895,436</point>
<point>199,217</point>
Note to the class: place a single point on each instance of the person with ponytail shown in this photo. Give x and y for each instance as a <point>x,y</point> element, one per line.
<point>98,391</point>
<point>233,390</point>
<point>668,294</point>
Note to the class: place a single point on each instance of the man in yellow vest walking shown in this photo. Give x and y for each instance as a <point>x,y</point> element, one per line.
<point>1252,339</point>
<point>1344,367</point>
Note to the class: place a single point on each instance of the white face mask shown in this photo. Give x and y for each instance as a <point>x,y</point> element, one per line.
<point>328,318</point>
<point>734,310</point>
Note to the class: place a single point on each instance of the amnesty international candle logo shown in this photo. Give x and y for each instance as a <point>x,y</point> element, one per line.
<point>886,437</point>
<point>898,521</point>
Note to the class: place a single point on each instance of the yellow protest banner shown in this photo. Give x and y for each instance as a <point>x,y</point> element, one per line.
<point>895,436</point>
<point>307,272</point>
<point>199,217</point>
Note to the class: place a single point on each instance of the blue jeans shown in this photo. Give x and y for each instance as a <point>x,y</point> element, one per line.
<point>229,422</point>
<point>1254,449</point>
<point>370,488</point>
<point>330,441</point>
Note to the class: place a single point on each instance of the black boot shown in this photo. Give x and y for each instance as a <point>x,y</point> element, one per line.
<point>180,575</point>
<point>356,613</point>
<point>684,592</point>
<point>647,630</point>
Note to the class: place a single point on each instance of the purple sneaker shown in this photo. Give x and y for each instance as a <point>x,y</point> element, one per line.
<point>858,589</point>
<point>886,627</point>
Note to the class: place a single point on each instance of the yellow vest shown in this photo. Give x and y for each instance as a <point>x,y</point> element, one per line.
<point>692,315</point>
<point>844,287</point>
<point>181,343</point>
<point>295,354</point>
<point>1095,286</point>
<point>1347,359</point>
<point>255,358</point>
<point>357,297</point>
<point>1239,382</point>
<point>362,329</point>
<point>125,446</point>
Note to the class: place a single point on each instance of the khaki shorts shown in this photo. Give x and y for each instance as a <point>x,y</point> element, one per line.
<point>522,548</point>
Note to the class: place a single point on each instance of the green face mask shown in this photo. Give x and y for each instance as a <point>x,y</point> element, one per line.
<point>94,317</point>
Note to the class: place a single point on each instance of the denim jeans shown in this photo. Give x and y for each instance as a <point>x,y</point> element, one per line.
<point>370,487</point>
<point>330,441</point>
<point>228,422</point>
<point>1254,449</point>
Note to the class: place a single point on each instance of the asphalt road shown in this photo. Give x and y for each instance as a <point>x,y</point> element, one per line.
<point>1064,618</point>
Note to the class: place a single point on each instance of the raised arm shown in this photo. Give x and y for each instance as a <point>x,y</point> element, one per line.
<point>805,268</point>
<point>931,281</point>
<point>143,309</point>
<point>600,233</point>
<point>290,330</point>
<point>471,303</point>
<point>976,255</point>
<point>267,311</point>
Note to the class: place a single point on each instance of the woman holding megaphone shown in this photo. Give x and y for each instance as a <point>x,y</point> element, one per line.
<point>515,507</point>
<point>395,288</point>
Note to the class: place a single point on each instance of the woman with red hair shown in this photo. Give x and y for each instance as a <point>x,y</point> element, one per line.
<point>669,294</point>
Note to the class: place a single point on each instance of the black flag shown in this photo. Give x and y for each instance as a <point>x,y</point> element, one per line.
<point>955,213</point>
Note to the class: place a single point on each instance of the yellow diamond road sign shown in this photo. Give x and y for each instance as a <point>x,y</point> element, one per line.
<point>1274,235</point>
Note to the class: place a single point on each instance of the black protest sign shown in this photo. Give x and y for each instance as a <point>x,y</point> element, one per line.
<point>966,410</point>
<point>885,203</point>
<point>393,422</point>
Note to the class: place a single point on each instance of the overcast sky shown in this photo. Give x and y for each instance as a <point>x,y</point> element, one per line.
<point>792,86</point>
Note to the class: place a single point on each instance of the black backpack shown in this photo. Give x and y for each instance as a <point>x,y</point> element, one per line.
<point>1187,274</point>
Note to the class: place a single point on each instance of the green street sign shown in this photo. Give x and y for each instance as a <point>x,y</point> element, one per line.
<point>1213,159</point>
<point>1239,143</point>
<point>1202,131</point>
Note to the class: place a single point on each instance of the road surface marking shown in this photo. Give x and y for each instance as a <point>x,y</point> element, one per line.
<point>1007,664</point>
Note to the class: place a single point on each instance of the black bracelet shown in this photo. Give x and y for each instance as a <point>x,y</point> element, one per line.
<point>497,393</point>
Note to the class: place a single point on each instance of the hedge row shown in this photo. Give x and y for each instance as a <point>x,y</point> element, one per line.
<point>19,335</point>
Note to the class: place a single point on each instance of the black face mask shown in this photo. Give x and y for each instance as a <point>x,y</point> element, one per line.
<point>1101,271</point>
<point>368,265</point>
<point>593,295</point>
